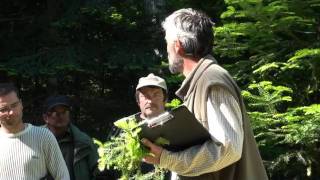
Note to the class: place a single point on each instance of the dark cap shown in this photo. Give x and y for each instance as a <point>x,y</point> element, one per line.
<point>53,101</point>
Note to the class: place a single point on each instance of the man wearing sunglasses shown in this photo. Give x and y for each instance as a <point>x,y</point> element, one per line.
<point>27,152</point>
<point>77,147</point>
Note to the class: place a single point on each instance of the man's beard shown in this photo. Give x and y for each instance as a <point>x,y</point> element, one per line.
<point>177,65</point>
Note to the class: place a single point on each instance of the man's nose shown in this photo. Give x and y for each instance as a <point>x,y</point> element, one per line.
<point>148,100</point>
<point>10,112</point>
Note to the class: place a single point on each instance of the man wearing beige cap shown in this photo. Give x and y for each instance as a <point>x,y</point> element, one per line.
<point>151,95</point>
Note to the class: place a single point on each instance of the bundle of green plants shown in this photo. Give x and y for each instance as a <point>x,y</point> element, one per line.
<point>124,152</point>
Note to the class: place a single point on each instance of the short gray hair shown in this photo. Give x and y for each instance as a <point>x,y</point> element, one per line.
<point>193,29</point>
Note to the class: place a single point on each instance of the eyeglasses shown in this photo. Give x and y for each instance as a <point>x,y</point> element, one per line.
<point>9,107</point>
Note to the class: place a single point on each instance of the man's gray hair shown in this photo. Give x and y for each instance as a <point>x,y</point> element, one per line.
<point>193,29</point>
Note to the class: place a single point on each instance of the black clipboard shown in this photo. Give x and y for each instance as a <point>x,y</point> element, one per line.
<point>179,126</point>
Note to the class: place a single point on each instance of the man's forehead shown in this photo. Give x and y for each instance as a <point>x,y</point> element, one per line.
<point>8,98</point>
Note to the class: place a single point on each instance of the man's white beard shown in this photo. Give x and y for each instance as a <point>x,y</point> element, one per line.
<point>177,65</point>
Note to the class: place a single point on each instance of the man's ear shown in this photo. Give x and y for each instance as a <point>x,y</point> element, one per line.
<point>45,118</point>
<point>178,48</point>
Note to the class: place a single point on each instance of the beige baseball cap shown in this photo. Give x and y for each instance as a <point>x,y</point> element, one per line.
<point>152,80</point>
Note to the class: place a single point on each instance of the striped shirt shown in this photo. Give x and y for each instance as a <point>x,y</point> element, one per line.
<point>225,127</point>
<point>30,155</point>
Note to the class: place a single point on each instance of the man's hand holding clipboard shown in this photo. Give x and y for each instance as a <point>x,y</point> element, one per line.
<point>178,126</point>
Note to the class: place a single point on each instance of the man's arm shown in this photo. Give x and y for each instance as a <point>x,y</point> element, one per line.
<point>54,160</point>
<point>225,148</point>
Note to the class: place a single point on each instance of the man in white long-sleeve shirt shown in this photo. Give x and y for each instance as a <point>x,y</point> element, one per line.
<point>27,152</point>
<point>213,97</point>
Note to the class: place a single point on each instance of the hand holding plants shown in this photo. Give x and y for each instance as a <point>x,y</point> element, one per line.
<point>155,152</point>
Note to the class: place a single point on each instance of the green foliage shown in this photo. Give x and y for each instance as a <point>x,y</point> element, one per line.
<point>94,51</point>
<point>303,125</point>
<point>304,61</point>
<point>268,96</point>
<point>297,129</point>
<point>125,152</point>
<point>173,103</point>
<point>263,42</point>
<point>267,34</point>
<point>288,141</point>
<point>305,53</point>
